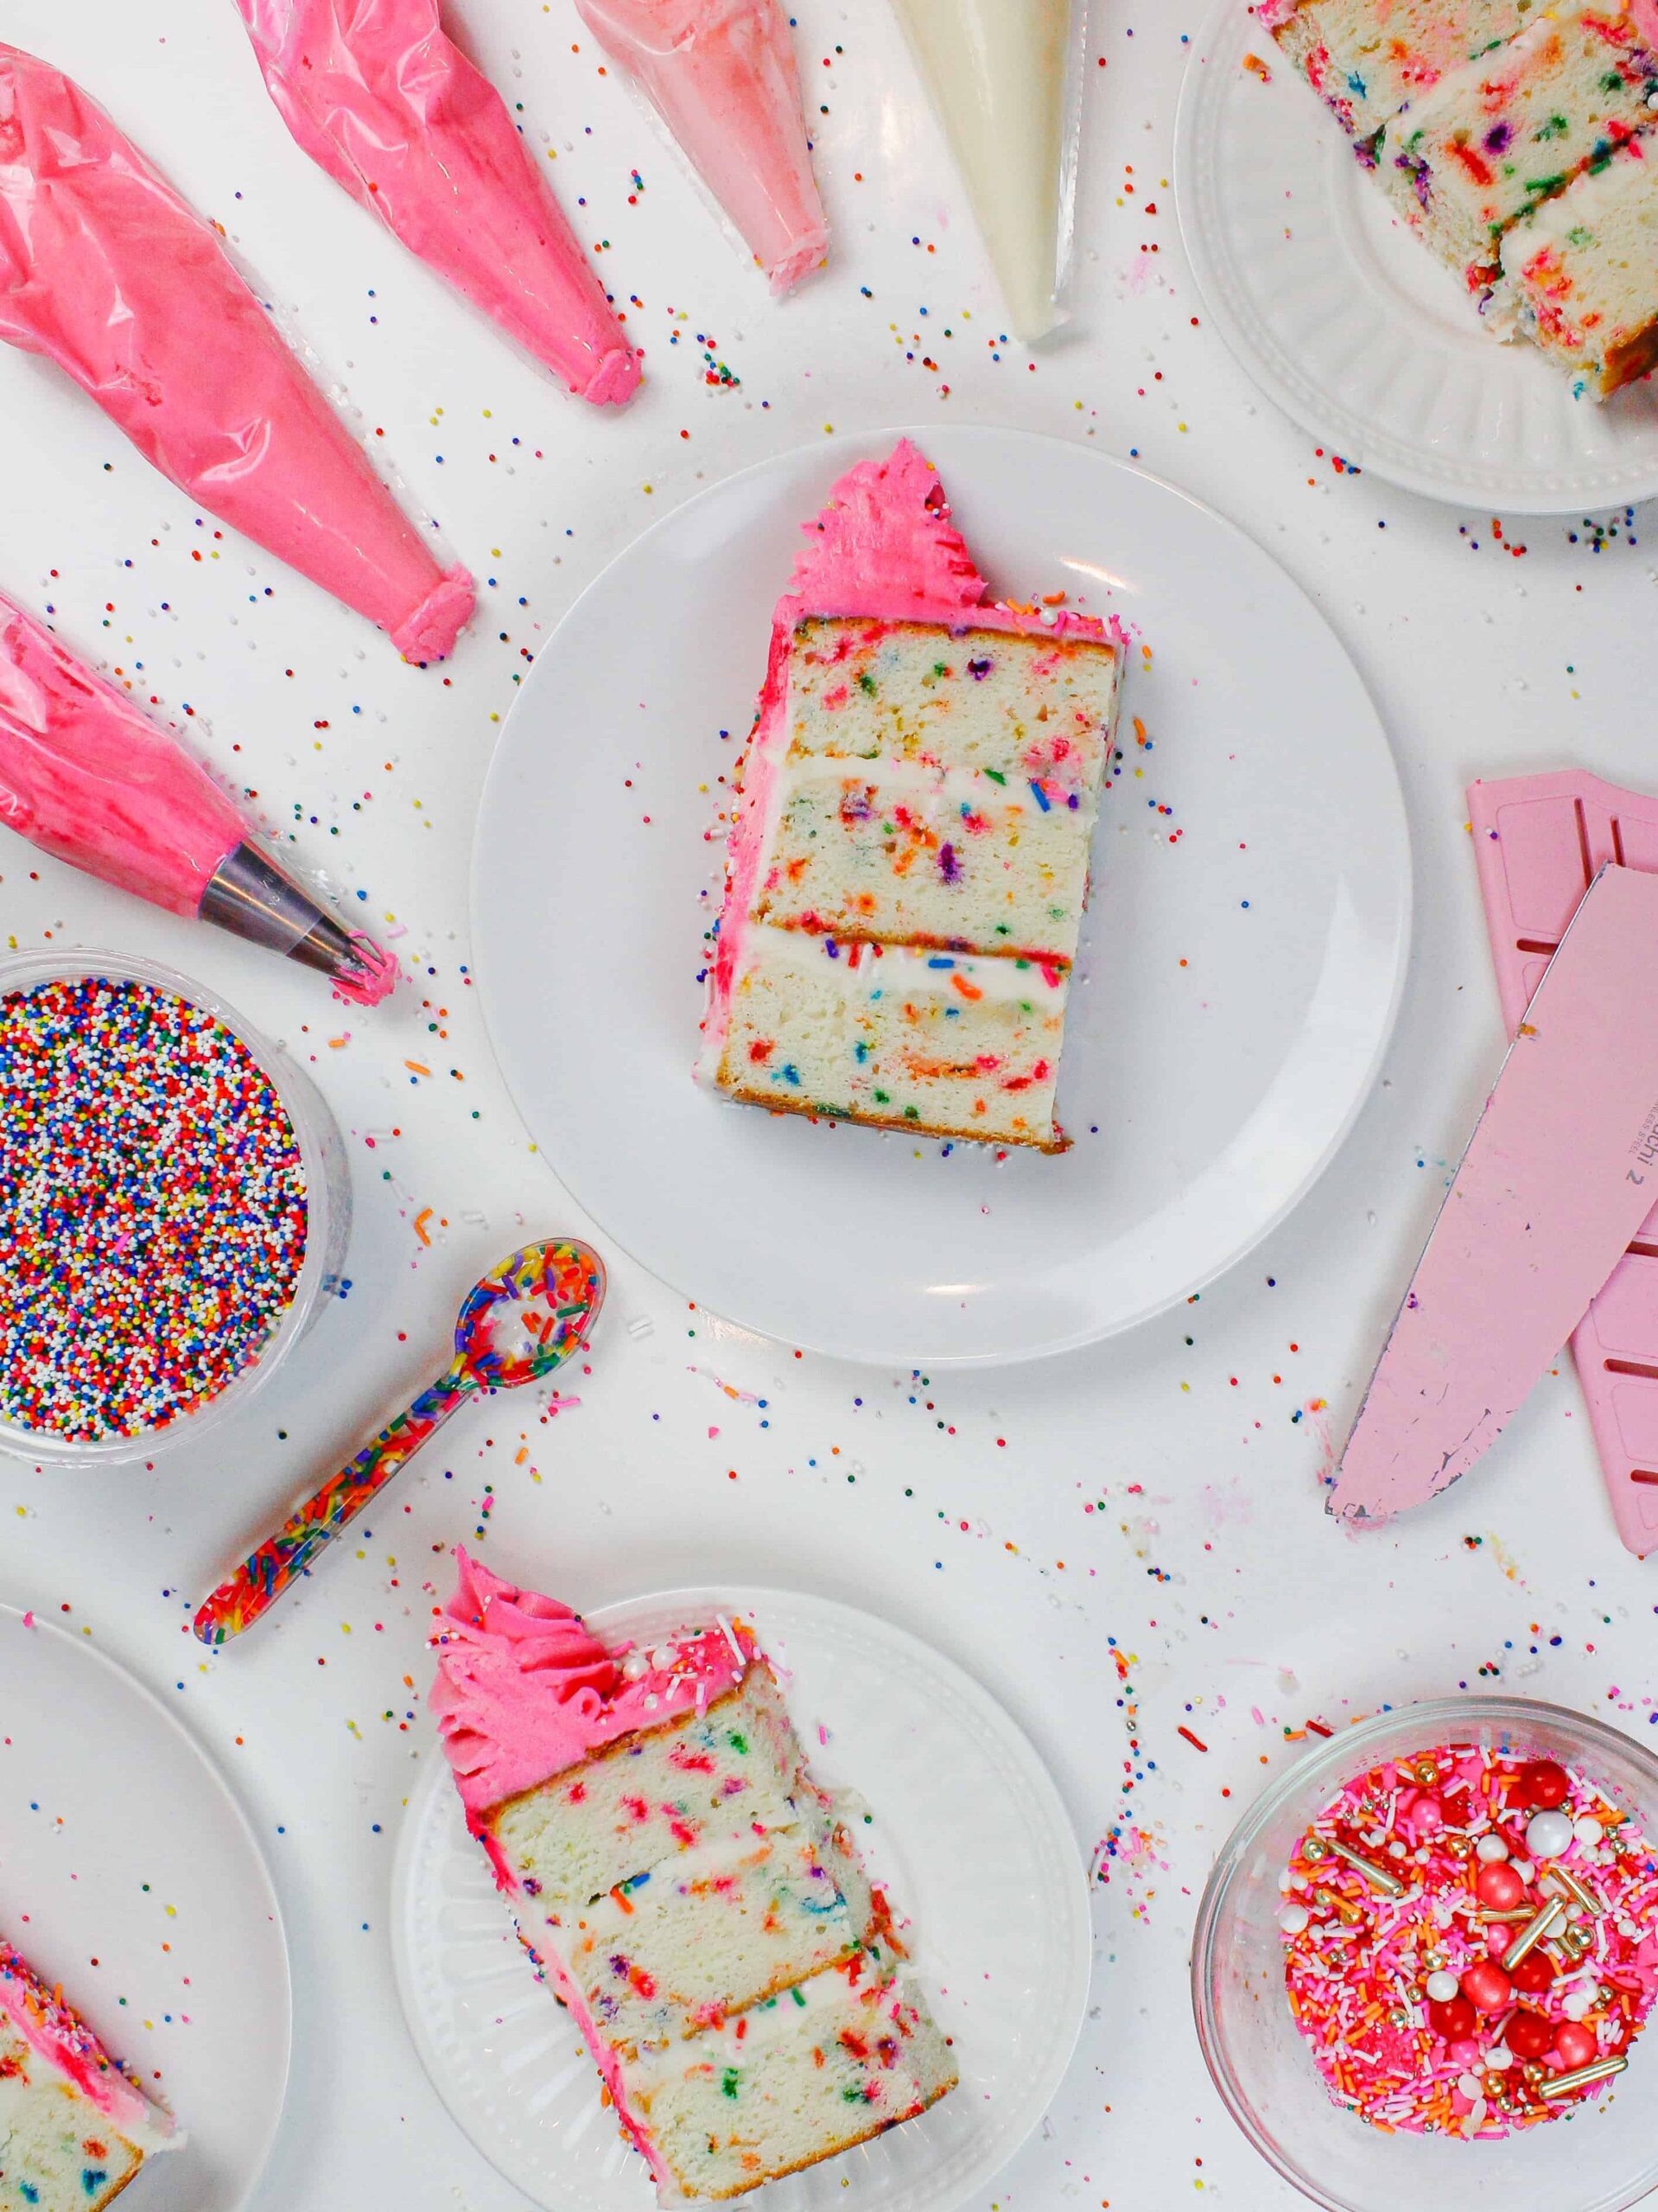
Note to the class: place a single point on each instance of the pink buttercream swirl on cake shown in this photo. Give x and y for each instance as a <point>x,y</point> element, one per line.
<point>50,2027</point>
<point>884,547</point>
<point>526,1690</point>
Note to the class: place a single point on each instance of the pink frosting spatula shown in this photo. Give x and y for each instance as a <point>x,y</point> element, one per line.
<point>523,1319</point>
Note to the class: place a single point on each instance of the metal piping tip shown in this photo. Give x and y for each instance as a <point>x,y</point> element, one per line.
<point>253,896</point>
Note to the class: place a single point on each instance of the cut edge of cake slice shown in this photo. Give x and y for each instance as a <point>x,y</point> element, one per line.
<point>1366,61</point>
<point>75,2127</point>
<point>1501,136</point>
<point>1580,275</point>
<point>521,1685</point>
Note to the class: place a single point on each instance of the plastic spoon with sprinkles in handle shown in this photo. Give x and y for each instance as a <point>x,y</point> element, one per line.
<point>523,1319</point>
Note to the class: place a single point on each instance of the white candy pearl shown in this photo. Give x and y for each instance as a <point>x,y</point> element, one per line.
<point>1469,2086</point>
<point>1588,1831</point>
<point>1547,1834</point>
<point>1490,1848</point>
<point>1577,2004</point>
<point>1442,1987</point>
<point>1500,2056</point>
<point>1293,1919</point>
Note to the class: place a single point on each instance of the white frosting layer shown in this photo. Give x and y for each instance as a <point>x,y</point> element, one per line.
<point>868,970</point>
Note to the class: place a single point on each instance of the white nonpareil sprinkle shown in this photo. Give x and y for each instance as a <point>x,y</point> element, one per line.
<point>1490,1849</point>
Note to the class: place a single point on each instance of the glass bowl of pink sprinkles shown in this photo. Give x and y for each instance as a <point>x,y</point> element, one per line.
<point>1424,1963</point>
<point>174,1205</point>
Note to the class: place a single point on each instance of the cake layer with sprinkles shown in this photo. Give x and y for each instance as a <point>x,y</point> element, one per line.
<point>685,1887</point>
<point>909,861</point>
<point>1366,58</point>
<point>75,2127</point>
<point>1470,1941</point>
<point>1467,160</point>
<point>152,1210</point>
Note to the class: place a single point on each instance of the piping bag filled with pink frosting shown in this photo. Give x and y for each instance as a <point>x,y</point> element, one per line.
<point>107,272</point>
<point>90,780</point>
<point>377,95</point>
<point>721,75</point>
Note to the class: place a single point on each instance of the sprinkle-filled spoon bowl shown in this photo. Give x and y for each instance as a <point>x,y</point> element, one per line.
<point>121,1121</point>
<point>1599,2155</point>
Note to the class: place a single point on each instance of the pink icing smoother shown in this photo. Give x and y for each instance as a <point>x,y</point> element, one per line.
<point>883,546</point>
<point>88,778</point>
<point>526,1690</point>
<point>60,2036</point>
<point>380,97</point>
<point>721,74</point>
<point>105,270</point>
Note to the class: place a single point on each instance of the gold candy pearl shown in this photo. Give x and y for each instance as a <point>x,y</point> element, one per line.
<point>1459,1846</point>
<point>1315,1849</point>
<point>1425,1774</point>
<point>1533,2071</point>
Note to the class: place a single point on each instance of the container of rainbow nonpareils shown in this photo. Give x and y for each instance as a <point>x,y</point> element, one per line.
<point>174,1209</point>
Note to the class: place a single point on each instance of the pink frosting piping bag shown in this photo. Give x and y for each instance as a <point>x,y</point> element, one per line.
<point>381,99</point>
<point>721,75</point>
<point>90,780</point>
<point>107,272</point>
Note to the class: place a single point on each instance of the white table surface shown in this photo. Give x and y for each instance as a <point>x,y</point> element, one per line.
<point>1118,1543</point>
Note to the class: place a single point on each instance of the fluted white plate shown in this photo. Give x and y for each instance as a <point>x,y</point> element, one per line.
<point>1342,316</point>
<point>968,1835</point>
<point>130,1873</point>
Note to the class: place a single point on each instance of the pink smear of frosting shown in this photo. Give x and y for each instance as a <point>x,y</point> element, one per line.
<point>377,94</point>
<point>721,75</point>
<point>883,546</point>
<point>375,977</point>
<point>524,1689</point>
<point>61,2036</point>
<point>1645,13</point>
<point>107,272</point>
<point>87,778</point>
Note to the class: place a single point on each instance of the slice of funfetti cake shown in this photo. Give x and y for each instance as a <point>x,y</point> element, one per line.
<point>1365,58</point>
<point>74,2128</point>
<point>909,857</point>
<point>685,1888</point>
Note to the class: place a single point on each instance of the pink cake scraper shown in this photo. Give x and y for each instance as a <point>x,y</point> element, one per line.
<point>1561,1172</point>
<point>1539,840</point>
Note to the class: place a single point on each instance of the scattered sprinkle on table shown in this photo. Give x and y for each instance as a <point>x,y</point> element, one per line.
<point>152,1208</point>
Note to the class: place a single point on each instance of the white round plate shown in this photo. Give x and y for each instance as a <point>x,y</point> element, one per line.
<point>1240,961</point>
<point>129,1873</point>
<point>1341,316</point>
<point>969,1837</point>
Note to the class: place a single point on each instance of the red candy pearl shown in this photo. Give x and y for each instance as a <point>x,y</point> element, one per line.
<point>1528,2035</point>
<point>1499,1886</point>
<point>1486,1987</point>
<point>1574,2044</point>
<point>1543,1784</point>
<point>1453,2020</point>
<point>1533,1973</point>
